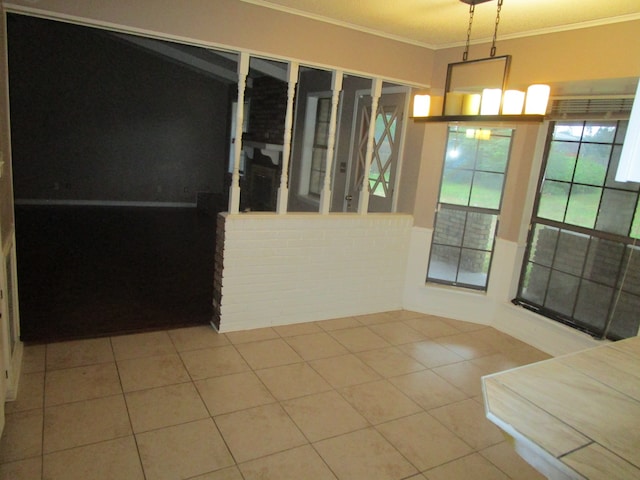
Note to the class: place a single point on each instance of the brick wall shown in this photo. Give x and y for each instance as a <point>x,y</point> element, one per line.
<point>281,269</point>
<point>267,111</point>
<point>218,270</point>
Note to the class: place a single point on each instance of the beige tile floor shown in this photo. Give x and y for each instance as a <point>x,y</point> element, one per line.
<point>394,395</point>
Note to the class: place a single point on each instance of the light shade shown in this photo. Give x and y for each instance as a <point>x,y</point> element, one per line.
<point>629,166</point>
<point>453,103</point>
<point>421,105</point>
<point>537,99</point>
<point>513,102</point>
<point>491,98</point>
<point>471,104</point>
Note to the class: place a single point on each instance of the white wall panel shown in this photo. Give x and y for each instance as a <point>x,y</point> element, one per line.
<point>282,269</point>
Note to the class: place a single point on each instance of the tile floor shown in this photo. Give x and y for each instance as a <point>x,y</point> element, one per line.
<point>394,395</point>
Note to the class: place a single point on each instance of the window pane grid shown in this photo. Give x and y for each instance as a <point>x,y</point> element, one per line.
<point>470,198</point>
<point>580,267</point>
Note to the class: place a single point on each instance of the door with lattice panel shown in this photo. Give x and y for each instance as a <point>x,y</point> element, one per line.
<point>385,154</point>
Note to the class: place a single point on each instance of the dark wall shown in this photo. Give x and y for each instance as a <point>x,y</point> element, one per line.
<point>95,118</point>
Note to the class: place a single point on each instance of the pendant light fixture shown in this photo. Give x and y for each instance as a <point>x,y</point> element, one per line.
<point>493,102</point>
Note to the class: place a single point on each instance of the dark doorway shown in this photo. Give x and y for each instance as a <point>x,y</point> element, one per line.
<point>92,271</point>
<point>113,145</point>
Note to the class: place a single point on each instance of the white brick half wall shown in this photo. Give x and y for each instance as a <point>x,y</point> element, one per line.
<point>293,268</point>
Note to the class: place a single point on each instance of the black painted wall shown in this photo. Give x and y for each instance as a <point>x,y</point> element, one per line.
<point>95,118</point>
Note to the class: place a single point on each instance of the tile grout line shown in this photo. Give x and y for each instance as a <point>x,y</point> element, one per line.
<point>133,434</point>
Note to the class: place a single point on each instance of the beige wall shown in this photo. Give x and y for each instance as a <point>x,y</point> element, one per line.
<point>427,177</point>
<point>516,187</point>
<point>238,25</point>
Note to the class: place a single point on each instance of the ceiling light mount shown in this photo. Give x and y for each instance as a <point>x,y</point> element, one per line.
<point>474,2</point>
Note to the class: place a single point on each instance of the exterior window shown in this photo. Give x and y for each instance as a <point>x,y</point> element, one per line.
<point>582,266</point>
<point>469,204</point>
<point>319,148</point>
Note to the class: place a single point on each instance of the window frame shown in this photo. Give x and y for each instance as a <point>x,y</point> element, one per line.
<point>469,209</point>
<point>593,235</point>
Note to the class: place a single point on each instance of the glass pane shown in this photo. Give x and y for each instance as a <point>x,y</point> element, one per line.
<point>534,287</point>
<point>486,191</point>
<point>385,146</point>
<point>625,317</point>
<point>443,264</point>
<point>315,183</point>
<point>571,252</point>
<point>616,211</point>
<point>635,226</point>
<point>378,186</point>
<point>561,161</point>
<point>599,132</point>
<point>322,134</point>
<point>562,292</point>
<point>583,205</point>
<point>379,173</point>
<point>480,230</point>
<point>461,151</point>
<point>374,171</point>
<point>493,154</point>
<point>543,246</point>
<point>456,187</point>
<point>603,261</point>
<point>318,159</point>
<point>593,305</point>
<point>474,268</point>
<point>449,227</point>
<point>570,131</point>
<point>592,164</point>
<point>630,279</point>
<point>324,110</point>
<point>621,131</point>
<point>553,200</point>
<point>613,168</point>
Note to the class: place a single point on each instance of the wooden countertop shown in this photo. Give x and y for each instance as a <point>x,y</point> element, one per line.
<point>575,416</point>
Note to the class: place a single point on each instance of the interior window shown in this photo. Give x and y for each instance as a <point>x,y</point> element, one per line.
<point>582,265</point>
<point>469,204</point>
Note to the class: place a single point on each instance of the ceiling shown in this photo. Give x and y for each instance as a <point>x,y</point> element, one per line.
<point>443,23</point>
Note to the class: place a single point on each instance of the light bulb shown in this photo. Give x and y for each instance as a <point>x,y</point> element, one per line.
<point>491,98</point>
<point>537,99</point>
<point>421,104</point>
<point>512,102</point>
